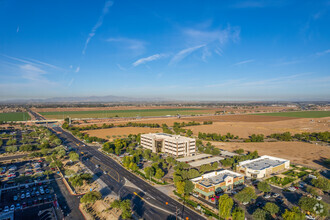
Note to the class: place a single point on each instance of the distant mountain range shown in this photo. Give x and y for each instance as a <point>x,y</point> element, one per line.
<point>89,99</point>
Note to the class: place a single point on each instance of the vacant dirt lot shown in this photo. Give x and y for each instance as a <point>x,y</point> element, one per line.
<point>245,129</point>
<point>296,152</point>
<point>103,133</point>
<point>239,118</point>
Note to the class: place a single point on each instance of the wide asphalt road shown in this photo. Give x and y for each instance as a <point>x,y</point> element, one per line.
<point>150,204</point>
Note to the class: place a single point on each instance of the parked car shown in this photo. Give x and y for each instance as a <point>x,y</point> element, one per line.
<point>24,204</point>
<point>292,189</point>
<point>18,206</point>
<point>15,198</point>
<point>310,217</point>
<point>6,209</point>
<point>275,195</point>
<point>245,203</point>
<point>319,198</point>
<point>23,196</point>
<point>27,195</point>
<point>37,193</point>
<point>267,196</point>
<point>47,191</point>
<point>12,207</point>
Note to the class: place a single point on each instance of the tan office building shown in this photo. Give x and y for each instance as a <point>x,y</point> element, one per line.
<point>174,145</point>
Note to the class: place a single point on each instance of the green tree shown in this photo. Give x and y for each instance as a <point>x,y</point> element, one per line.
<point>225,205</point>
<point>321,183</point>
<point>264,186</point>
<point>124,206</point>
<point>91,197</point>
<point>61,153</point>
<point>11,149</point>
<point>149,171</point>
<point>246,195</point>
<point>74,156</point>
<point>133,167</point>
<point>272,208</point>
<point>188,187</point>
<point>180,187</point>
<point>159,173</point>
<point>259,214</point>
<point>238,214</point>
<point>293,214</point>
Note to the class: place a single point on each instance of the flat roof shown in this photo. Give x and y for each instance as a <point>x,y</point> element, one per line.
<point>168,136</point>
<point>262,163</point>
<point>205,161</point>
<point>216,177</point>
<point>195,157</point>
<point>228,154</point>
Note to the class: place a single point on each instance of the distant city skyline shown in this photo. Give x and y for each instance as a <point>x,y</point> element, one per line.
<point>175,50</point>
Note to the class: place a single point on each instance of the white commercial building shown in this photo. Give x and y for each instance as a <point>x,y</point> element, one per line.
<point>263,166</point>
<point>175,145</point>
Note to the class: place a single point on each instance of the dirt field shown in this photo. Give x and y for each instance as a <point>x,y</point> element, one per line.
<point>103,133</point>
<point>239,118</point>
<point>297,152</point>
<point>245,129</point>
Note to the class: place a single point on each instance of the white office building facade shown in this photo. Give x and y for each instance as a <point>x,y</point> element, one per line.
<point>174,145</point>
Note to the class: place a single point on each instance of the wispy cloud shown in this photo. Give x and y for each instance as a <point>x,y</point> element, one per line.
<point>128,43</point>
<point>243,62</point>
<point>17,29</point>
<point>259,4</point>
<point>323,53</point>
<point>98,24</point>
<point>148,59</point>
<point>71,81</point>
<point>183,53</point>
<point>77,69</point>
<point>31,72</point>
<point>121,67</point>
<point>214,40</point>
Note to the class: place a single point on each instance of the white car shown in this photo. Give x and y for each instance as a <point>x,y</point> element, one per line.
<point>319,198</point>
<point>12,207</point>
<point>27,195</point>
<point>6,209</point>
<point>245,203</point>
<point>266,196</point>
<point>275,195</point>
<point>23,196</point>
<point>292,189</point>
<point>310,217</point>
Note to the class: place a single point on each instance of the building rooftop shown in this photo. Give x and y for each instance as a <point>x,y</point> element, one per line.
<point>262,163</point>
<point>205,161</point>
<point>215,177</point>
<point>195,157</point>
<point>168,136</point>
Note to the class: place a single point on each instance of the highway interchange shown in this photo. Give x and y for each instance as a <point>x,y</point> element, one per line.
<point>147,202</point>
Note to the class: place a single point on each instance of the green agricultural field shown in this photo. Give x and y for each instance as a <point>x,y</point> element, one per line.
<point>15,116</point>
<point>302,114</point>
<point>123,113</point>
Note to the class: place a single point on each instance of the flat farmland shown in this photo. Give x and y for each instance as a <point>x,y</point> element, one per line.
<point>124,113</point>
<point>244,129</point>
<point>15,116</point>
<point>302,114</point>
<point>297,152</point>
<point>103,133</point>
<point>238,118</point>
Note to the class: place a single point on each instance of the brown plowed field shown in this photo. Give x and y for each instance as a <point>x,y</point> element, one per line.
<point>297,152</point>
<point>245,129</point>
<point>103,133</point>
<point>240,118</point>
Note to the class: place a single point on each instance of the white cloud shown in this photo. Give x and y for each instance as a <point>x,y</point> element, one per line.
<point>148,59</point>
<point>71,81</point>
<point>77,69</point>
<point>323,53</point>
<point>31,72</point>
<point>243,62</point>
<point>98,24</point>
<point>131,44</point>
<point>214,40</point>
<point>183,53</point>
<point>33,62</point>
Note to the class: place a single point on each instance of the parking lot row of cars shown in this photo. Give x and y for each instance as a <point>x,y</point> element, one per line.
<point>36,201</point>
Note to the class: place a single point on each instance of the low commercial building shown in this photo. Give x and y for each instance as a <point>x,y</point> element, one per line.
<point>262,166</point>
<point>210,184</point>
<point>174,145</point>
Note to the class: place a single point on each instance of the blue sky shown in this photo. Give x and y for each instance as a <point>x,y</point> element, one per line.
<point>188,50</point>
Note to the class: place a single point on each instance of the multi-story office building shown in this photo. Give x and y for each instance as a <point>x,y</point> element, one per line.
<point>209,184</point>
<point>174,145</point>
<point>262,167</point>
